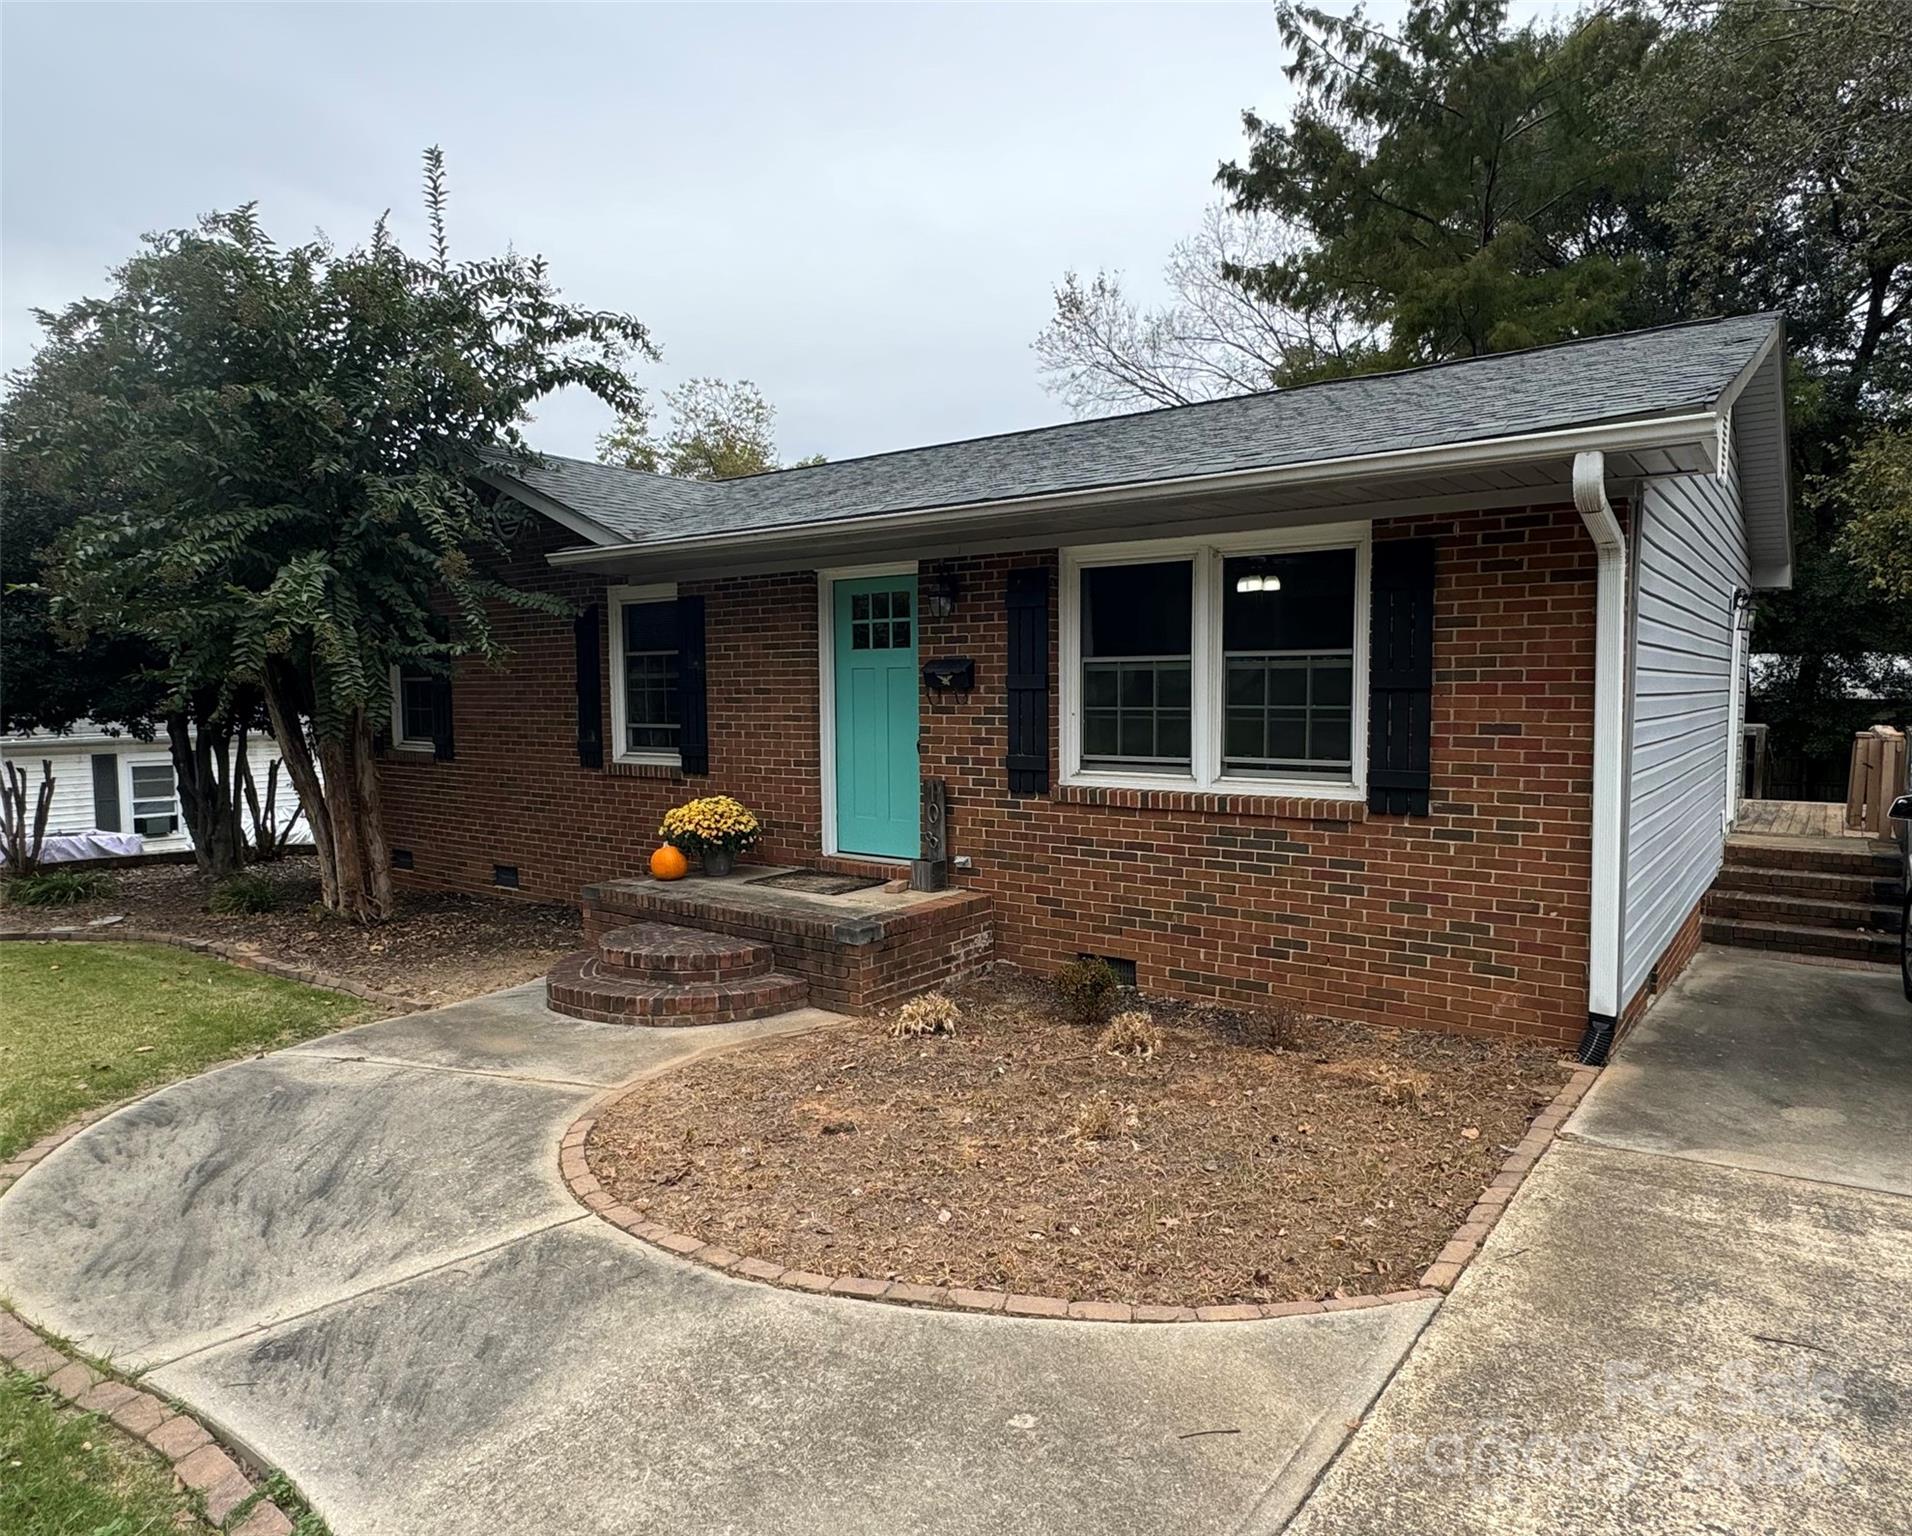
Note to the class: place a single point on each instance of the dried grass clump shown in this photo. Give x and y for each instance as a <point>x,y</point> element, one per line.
<point>1405,1088</point>
<point>1095,1120</point>
<point>1130,1034</point>
<point>1087,988</point>
<point>930,1014</point>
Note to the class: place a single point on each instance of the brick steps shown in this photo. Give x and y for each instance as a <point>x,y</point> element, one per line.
<point>1785,907</point>
<point>1807,896</point>
<point>1810,855</point>
<point>668,952</point>
<point>660,974</point>
<point>1817,885</point>
<point>1803,939</point>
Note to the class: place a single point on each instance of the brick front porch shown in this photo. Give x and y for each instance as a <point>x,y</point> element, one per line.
<point>855,952</point>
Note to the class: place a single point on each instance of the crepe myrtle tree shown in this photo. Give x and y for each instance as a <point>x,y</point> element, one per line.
<point>274,448</point>
<point>55,680</point>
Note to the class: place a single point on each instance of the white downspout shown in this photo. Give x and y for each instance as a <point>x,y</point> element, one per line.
<point>1609,761</point>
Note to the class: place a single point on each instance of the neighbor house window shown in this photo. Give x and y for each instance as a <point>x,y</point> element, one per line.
<point>1234,663</point>
<point>412,713</point>
<point>644,673</point>
<point>155,799</point>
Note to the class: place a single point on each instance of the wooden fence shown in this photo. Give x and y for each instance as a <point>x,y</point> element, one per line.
<point>1877,777</point>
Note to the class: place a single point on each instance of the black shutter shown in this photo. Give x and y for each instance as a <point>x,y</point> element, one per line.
<point>106,795</point>
<point>693,710</point>
<point>585,631</point>
<point>1026,677</point>
<point>1401,677</point>
<point>441,719</point>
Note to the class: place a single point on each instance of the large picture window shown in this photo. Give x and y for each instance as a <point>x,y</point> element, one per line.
<point>1288,664</point>
<point>1236,663</point>
<point>644,674</point>
<point>1137,634</point>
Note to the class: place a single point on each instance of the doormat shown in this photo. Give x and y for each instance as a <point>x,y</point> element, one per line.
<point>817,882</point>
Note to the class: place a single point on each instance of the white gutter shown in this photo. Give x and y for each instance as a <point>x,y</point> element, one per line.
<point>1609,749</point>
<point>1699,429</point>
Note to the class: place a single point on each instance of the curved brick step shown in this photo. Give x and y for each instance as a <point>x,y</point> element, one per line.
<point>584,987</point>
<point>673,955</point>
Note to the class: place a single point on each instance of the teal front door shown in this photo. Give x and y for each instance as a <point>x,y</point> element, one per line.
<point>877,788</point>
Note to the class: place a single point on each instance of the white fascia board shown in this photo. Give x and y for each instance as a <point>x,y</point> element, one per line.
<point>1698,429</point>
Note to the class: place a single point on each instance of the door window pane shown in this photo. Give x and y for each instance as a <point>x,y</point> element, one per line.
<point>1137,623</point>
<point>880,621</point>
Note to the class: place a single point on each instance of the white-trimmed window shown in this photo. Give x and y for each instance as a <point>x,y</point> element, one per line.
<point>153,794</point>
<point>645,720</point>
<point>1236,663</point>
<point>412,709</point>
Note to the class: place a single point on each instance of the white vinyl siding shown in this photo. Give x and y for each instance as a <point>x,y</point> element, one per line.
<point>72,808</point>
<point>1690,556</point>
<point>72,758</point>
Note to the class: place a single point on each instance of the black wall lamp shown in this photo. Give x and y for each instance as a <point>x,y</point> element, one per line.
<point>943,590</point>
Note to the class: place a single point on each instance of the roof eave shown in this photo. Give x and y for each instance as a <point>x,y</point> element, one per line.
<point>566,517</point>
<point>1694,429</point>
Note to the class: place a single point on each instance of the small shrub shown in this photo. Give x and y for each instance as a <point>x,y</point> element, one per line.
<point>1095,1120</point>
<point>1130,1034</point>
<point>1280,1026</point>
<point>243,895</point>
<point>930,1014</point>
<point>1087,988</point>
<point>59,887</point>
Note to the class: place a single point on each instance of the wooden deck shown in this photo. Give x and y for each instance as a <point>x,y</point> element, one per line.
<point>1793,818</point>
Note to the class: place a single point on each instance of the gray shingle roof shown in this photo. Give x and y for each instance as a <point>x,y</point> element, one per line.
<point>1608,378</point>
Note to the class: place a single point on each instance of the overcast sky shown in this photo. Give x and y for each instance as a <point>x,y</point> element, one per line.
<point>863,208</point>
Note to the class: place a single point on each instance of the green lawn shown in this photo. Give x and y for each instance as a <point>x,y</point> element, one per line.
<point>86,1024</point>
<point>69,1474</point>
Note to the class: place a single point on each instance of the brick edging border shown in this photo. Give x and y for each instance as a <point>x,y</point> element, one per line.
<point>1436,1280</point>
<point>199,1463</point>
<point>245,956</point>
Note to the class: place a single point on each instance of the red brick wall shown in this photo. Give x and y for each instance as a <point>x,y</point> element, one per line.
<point>1473,918</point>
<point>1679,951</point>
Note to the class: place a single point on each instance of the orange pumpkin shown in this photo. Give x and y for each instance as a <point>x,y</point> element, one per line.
<point>669,863</point>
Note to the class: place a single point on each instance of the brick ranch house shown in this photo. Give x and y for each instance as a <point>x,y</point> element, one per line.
<point>1410,698</point>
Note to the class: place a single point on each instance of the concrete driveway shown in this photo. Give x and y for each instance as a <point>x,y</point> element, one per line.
<point>1696,1316</point>
<point>355,1258</point>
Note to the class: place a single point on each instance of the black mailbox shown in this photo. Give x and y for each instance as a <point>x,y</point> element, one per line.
<point>953,674</point>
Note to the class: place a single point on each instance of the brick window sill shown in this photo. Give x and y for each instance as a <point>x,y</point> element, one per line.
<point>1197,803</point>
<point>669,772</point>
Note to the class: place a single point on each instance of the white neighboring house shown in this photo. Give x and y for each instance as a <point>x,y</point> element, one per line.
<point>119,785</point>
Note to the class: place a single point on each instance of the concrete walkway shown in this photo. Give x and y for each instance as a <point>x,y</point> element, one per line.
<point>1696,1316</point>
<point>355,1258</point>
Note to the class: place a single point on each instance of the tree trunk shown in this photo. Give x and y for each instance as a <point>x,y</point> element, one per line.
<point>295,752</point>
<point>370,804</point>
<point>348,827</point>
<point>205,791</point>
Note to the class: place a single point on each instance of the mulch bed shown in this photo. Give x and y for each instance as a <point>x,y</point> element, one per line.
<point>439,948</point>
<point>1229,1169</point>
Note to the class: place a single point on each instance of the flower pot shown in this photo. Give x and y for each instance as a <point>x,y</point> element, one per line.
<point>719,862</point>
